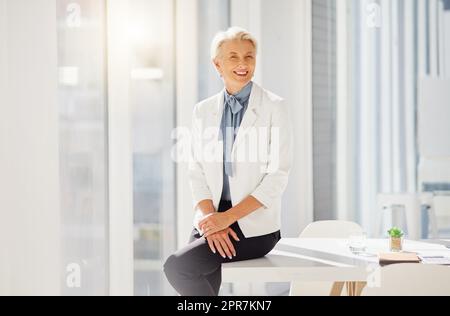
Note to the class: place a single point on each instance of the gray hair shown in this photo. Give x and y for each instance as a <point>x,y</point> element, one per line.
<point>233,33</point>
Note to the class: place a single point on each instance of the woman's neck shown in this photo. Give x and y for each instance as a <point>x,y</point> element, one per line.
<point>234,89</point>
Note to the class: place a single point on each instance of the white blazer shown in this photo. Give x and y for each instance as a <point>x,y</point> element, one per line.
<point>261,156</point>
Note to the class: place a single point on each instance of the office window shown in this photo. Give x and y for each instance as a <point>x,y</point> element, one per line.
<point>153,118</point>
<point>83,146</point>
<point>395,44</point>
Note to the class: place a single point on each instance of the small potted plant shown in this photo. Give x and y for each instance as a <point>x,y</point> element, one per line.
<point>395,239</point>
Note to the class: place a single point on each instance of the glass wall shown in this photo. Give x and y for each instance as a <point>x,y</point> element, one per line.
<point>83,146</point>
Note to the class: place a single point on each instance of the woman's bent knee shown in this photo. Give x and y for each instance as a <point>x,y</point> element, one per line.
<point>171,266</point>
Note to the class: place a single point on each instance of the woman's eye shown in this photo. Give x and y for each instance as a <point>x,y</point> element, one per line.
<point>233,57</point>
<point>249,57</point>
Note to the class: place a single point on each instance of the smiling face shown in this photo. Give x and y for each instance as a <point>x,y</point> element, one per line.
<point>236,64</point>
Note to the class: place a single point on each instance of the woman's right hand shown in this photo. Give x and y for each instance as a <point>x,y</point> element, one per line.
<point>221,242</point>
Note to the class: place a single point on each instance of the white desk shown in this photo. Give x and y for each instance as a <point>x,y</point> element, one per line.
<point>318,260</point>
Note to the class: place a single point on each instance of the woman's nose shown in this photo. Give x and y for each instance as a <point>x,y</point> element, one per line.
<point>242,65</point>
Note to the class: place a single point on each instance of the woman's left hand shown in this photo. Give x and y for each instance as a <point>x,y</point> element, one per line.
<point>215,222</point>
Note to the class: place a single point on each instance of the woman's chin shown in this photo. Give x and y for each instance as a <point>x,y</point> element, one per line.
<point>242,79</point>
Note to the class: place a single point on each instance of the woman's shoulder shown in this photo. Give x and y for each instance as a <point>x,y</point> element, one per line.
<point>273,104</point>
<point>267,96</point>
<point>271,100</point>
<point>207,104</point>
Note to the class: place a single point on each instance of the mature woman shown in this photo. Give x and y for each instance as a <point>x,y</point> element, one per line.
<point>242,155</point>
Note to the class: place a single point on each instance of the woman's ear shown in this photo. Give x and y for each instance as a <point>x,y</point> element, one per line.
<point>217,66</point>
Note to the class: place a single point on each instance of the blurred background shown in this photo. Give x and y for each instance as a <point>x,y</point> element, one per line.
<point>91,201</point>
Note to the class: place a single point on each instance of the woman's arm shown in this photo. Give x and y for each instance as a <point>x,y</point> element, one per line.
<point>206,207</point>
<point>203,209</point>
<point>215,222</point>
<point>274,183</point>
<point>246,207</point>
<point>197,178</point>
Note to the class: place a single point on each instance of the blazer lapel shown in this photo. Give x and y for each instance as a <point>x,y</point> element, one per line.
<point>250,116</point>
<point>216,119</point>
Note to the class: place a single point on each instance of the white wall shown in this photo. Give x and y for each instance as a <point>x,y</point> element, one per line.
<point>29,181</point>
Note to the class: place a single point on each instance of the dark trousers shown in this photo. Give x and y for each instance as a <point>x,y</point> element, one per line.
<point>196,271</point>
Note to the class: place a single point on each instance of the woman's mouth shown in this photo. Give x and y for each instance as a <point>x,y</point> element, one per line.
<point>241,73</point>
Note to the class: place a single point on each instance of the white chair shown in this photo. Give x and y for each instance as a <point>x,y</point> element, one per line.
<point>411,280</point>
<point>322,229</point>
<point>410,204</point>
